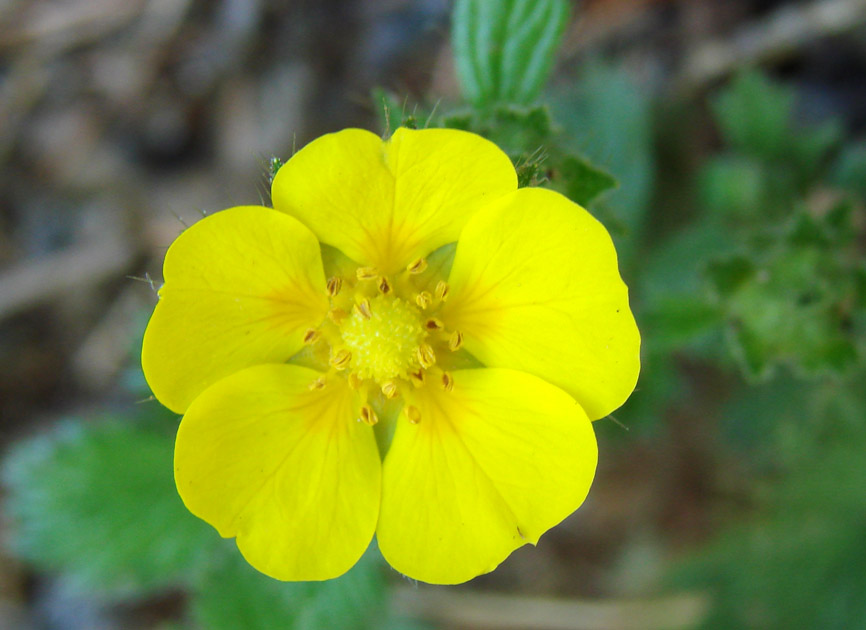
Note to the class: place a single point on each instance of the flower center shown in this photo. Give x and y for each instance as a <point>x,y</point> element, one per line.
<point>383,339</point>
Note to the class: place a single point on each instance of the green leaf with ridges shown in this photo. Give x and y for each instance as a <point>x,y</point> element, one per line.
<point>504,49</point>
<point>97,502</point>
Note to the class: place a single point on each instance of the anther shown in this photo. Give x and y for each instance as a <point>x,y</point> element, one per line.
<point>366,273</point>
<point>455,341</point>
<point>337,315</point>
<point>334,285</point>
<point>442,290</point>
<point>355,381</point>
<point>434,324</point>
<point>319,383</point>
<point>417,266</point>
<point>447,381</point>
<point>426,356</point>
<point>424,300</point>
<point>417,378</point>
<point>363,309</point>
<point>311,336</point>
<point>368,416</point>
<point>342,359</point>
<point>384,285</point>
<point>389,389</point>
<point>413,414</point>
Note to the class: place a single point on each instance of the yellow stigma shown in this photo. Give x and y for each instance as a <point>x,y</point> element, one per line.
<point>383,339</point>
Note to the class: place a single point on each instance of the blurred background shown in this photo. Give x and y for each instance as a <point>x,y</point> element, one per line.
<point>723,144</point>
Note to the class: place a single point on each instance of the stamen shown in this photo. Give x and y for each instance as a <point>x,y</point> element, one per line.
<point>363,309</point>
<point>455,341</point>
<point>426,356</point>
<point>337,315</point>
<point>417,266</point>
<point>389,389</point>
<point>417,378</point>
<point>447,381</point>
<point>424,300</point>
<point>434,324</point>
<point>384,285</point>
<point>311,336</point>
<point>355,381</point>
<point>334,285</point>
<point>366,273</point>
<point>319,383</point>
<point>342,359</point>
<point>413,414</point>
<point>368,416</point>
<point>442,289</point>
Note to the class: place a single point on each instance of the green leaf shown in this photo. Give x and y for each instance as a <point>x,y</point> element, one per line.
<point>233,595</point>
<point>504,49</point>
<point>754,115</point>
<point>849,171</point>
<point>729,274</point>
<point>607,117</point>
<point>98,503</point>
<point>581,181</point>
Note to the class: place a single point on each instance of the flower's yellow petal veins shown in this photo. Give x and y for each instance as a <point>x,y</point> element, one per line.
<point>535,287</point>
<point>480,471</point>
<point>386,204</point>
<point>242,287</point>
<point>286,469</point>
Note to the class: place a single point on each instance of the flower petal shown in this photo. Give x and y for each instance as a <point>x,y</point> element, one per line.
<point>385,204</point>
<point>241,287</point>
<point>286,469</point>
<point>491,466</point>
<point>535,287</point>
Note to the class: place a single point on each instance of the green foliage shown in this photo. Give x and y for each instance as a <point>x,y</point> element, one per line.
<point>609,117</point>
<point>504,49</point>
<point>97,503</point>
<point>233,595</point>
<point>582,181</point>
<point>798,562</point>
<point>786,289</point>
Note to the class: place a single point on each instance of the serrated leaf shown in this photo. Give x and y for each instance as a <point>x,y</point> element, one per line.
<point>504,49</point>
<point>97,502</point>
<point>233,595</point>
<point>581,181</point>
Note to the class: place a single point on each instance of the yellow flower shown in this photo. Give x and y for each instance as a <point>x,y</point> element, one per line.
<point>383,382</point>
